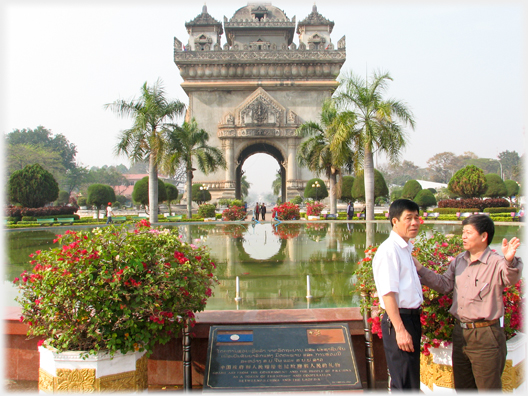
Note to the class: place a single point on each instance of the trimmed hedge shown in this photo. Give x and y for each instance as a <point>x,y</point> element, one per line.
<point>455,210</point>
<point>501,210</point>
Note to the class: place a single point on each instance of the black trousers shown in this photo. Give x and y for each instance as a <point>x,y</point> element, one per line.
<point>404,367</point>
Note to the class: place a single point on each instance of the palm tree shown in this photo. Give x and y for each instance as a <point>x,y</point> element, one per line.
<point>187,143</point>
<point>317,153</point>
<point>276,185</point>
<point>376,125</point>
<point>146,140</point>
<point>244,186</point>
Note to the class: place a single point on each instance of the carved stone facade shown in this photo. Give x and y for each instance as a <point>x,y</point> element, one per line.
<point>254,91</point>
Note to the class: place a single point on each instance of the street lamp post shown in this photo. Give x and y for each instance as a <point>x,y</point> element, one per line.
<point>203,188</point>
<point>500,163</point>
<point>316,185</point>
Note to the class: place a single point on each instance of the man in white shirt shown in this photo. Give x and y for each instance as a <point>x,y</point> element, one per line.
<point>109,213</point>
<point>400,292</point>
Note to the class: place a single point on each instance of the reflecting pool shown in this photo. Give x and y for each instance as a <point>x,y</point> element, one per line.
<point>273,262</point>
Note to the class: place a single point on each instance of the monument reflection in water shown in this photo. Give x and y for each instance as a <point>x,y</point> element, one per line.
<point>271,261</point>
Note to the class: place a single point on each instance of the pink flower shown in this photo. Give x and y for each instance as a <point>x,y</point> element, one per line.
<point>40,342</point>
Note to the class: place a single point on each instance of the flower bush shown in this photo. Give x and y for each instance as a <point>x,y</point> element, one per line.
<point>316,231</point>
<point>235,230</point>
<point>286,211</point>
<point>114,289</point>
<point>435,252</point>
<point>234,213</point>
<point>314,209</point>
<point>287,230</point>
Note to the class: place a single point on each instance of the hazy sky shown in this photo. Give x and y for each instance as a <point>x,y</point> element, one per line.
<point>460,66</point>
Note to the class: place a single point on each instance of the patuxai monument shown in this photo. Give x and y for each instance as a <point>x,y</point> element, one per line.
<point>251,90</point>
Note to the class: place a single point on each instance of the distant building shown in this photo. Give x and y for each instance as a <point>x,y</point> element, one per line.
<point>429,184</point>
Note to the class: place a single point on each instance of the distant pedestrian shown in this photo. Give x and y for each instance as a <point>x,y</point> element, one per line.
<point>109,213</point>
<point>350,211</point>
<point>263,211</point>
<point>257,211</point>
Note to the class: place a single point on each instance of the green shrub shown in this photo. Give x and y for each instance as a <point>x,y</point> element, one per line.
<point>425,199</point>
<point>65,216</point>
<point>318,193</point>
<point>207,210</point>
<point>496,187</point>
<point>32,186</point>
<point>500,210</point>
<point>236,202</point>
<point>411,189</point>
<point>380,187</point>
<point>296,200</point>
<point>200,196</point>
<point>346,188</point>
<point>29,218</point>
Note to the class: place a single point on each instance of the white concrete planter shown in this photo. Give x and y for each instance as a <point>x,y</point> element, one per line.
<point>436,370</point>
<point>209,218</point>
<point>314,217</point>
<point>68,372</point>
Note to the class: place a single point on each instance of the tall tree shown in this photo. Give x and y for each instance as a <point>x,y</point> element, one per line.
<point>378,125</point>
<point>317,152</point>
<point>276,185</point>
<point>75,178</point>
<point>146,140</point>
<point>43,138</point>
<point>509,160</point>
<point>400,173</point>
<point>21,155</point>
<point>244,187</point>
<point>442,166</point>
<point>188,143</point>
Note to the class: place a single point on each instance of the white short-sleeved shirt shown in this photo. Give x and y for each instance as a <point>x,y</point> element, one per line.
<point>394,271</point>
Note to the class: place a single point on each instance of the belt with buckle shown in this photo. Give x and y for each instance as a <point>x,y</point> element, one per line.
<point>408,311</point>
<point>474,325</point>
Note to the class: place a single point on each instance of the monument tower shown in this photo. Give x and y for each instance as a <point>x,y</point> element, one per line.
<point>252,92</point>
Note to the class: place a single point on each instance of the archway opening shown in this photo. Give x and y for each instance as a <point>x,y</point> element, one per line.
<point>261,164</point>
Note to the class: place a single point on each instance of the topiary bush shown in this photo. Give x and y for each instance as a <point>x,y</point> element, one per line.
<point>346,188</point>
<point>496,187</point>
<point>411,189</point>
<point>468,182</point>
<point>380,187</point>
<point>32,187</point>
<point>318,193</point>
<point>425,199</point>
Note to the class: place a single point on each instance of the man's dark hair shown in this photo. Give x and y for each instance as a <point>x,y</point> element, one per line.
<point>481,223</point>
<point>399,206</point>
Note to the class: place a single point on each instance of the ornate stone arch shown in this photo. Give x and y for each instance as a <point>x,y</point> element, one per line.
<point>260,121</point>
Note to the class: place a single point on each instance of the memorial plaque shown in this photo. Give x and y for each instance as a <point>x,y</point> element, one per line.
<point>301,357</point>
